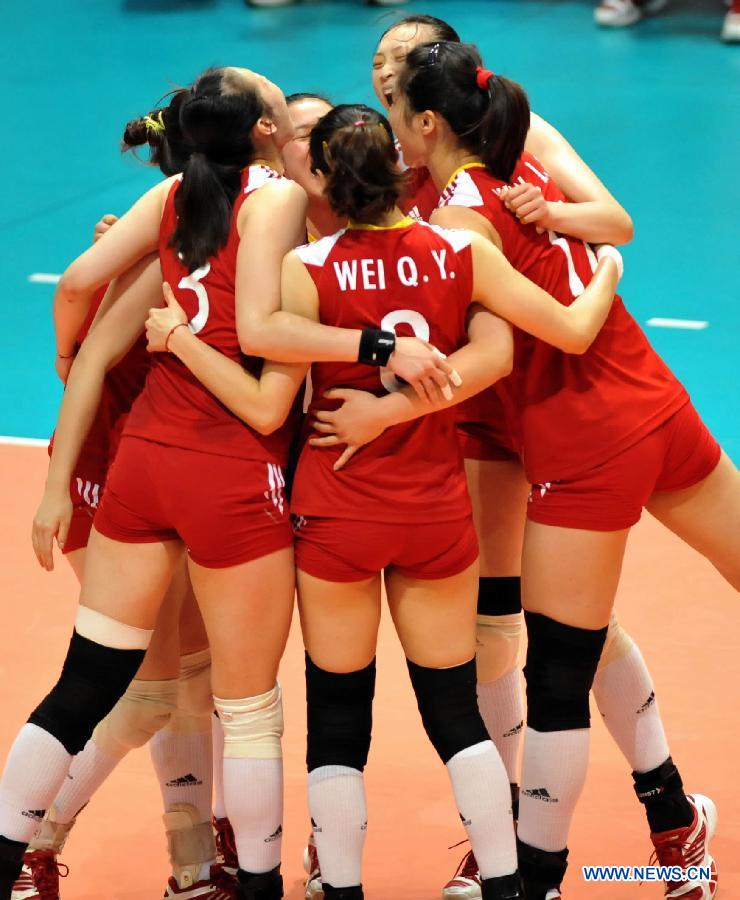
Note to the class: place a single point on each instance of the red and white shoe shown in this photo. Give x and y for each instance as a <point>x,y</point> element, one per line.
<point>689,846</point>
<point>731,26</point>
<point>465,884</point>
<point>39,878</point>
<point>314,887</point>
<point>553,894</point>
<point>219,886</point>
<point>623,13</point>
<point>226,855</point>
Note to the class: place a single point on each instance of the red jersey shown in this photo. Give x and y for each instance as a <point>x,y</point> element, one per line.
<point>121,387</point>
<point>421,195</point>
<point>412,278</point>
<point>574,412</point>
<point>174,408</point>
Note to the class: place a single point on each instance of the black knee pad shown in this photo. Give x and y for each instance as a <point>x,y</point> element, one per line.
<point>448,705</point>
<point>93,680</point>
<point>561,664</point>
<point>340,716</point>
<point>346,893</point>
<point>499,596</point>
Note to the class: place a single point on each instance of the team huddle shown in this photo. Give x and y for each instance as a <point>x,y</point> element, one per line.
<point>335,350</point>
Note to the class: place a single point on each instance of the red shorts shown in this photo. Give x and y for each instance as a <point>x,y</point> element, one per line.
<point>482,429</point>
<point>678,454</point>
<point>85,491</point>
<point>352,550</point>
<point>226,510</point>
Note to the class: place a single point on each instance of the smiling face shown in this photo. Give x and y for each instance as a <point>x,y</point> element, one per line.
<point>304,114</point>
<point>391,54</point>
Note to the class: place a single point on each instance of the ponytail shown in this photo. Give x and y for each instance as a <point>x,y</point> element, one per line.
<point>160,130</point>
<point>488,113</point>
<point>353,145</point>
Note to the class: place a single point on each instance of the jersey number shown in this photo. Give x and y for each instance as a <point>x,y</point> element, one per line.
<point>419,326</point>
<point>192,282</point>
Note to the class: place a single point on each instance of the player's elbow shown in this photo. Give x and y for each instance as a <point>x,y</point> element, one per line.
<point>625,228</point>
<point>267,421</point>
<point>578,343</point>
<point>73,285</point>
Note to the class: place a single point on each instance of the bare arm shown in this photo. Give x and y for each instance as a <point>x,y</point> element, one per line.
<point>106,346</point>
<point>362,416</point>
<point>263,403</point>
<point>507,293</point>
<point>135,236</point>
<point>593,215</point>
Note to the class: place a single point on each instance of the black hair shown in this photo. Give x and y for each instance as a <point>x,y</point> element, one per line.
<point>489,114</point>
<point>443,31</point>
<point>297,98</point>
<point>353,146</point>
<point>160,130</point>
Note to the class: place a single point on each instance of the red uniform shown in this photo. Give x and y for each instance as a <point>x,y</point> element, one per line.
<point>413,279</point>
<point>187,467</point>
<point>121,387</point>
<point>575,413</point>
<point>421,196</point>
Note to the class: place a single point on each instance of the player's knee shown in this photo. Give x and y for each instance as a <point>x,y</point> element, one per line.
<point>499,596</point>
<point>561,664</point>
<point>195,695</point>
<point>617,645</point>
<point>340,716</point>
<point>145,708</point>
<point>497,650</point>
<point>103,657</point>
<point>448,705</point>
<point>252,726</point>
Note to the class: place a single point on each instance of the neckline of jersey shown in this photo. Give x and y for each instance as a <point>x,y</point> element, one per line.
<point>359,226</point>
<point>470,165</point>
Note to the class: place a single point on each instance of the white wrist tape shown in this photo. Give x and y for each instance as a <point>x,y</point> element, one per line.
<point>603,250</point>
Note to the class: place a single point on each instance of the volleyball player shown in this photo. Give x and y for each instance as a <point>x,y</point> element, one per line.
<point>592,472</point>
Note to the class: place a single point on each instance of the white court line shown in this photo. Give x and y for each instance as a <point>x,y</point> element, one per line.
<point>24,441</point>
<point>689,324</point>
<point>44,278</point>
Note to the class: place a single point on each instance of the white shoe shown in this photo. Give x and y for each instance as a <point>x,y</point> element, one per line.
<point>731,26</point>
<point>689,846</point>
<point>314,887</point>
<point>622,13</point>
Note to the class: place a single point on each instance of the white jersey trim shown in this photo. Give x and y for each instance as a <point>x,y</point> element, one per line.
<point>259,176</point>
<point>316,253</point>
<point>462,192</point>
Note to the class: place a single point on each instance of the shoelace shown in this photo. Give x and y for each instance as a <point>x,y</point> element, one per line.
<point>46,873</point>
<point>673,854</point>
<point>225,843</point>
<point>468,867</point>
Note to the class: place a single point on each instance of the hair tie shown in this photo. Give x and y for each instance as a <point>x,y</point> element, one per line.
<point>360,123</point>
<point>482,77</point>
<point>154,124</point>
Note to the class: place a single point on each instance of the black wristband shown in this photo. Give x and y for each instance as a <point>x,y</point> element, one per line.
<point>376,347</point>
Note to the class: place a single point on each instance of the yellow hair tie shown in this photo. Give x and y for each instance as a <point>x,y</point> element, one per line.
<point>154,124</point>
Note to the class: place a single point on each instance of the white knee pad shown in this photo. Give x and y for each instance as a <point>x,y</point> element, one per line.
<point>618,643</point>
<point>253,726</point>
<point>144,709</point>
<point>190,843</point>
<point>194,697</point>
<point>497,649</point>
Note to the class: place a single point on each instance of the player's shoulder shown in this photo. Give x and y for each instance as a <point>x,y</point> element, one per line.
<point>316,253</point>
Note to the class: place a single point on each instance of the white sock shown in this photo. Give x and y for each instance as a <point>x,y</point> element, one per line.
<point>36,768</point>
<point>336,800</point>
<point>253,789</point>
<point>183,760</point>
<point>483,797</point>
<point>501,707</point>
<point>625,696</point>
<point>89,769</point>
<point>553,774</point>
<point>217,736</point>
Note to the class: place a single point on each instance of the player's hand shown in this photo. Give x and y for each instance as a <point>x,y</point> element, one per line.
<point>63,364</point>
<point>355,423</point>
<point>104,225</point>
<point>51,521</point>
<point>527,203</point>
<point>424,368</point>
<point>162,320</point>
